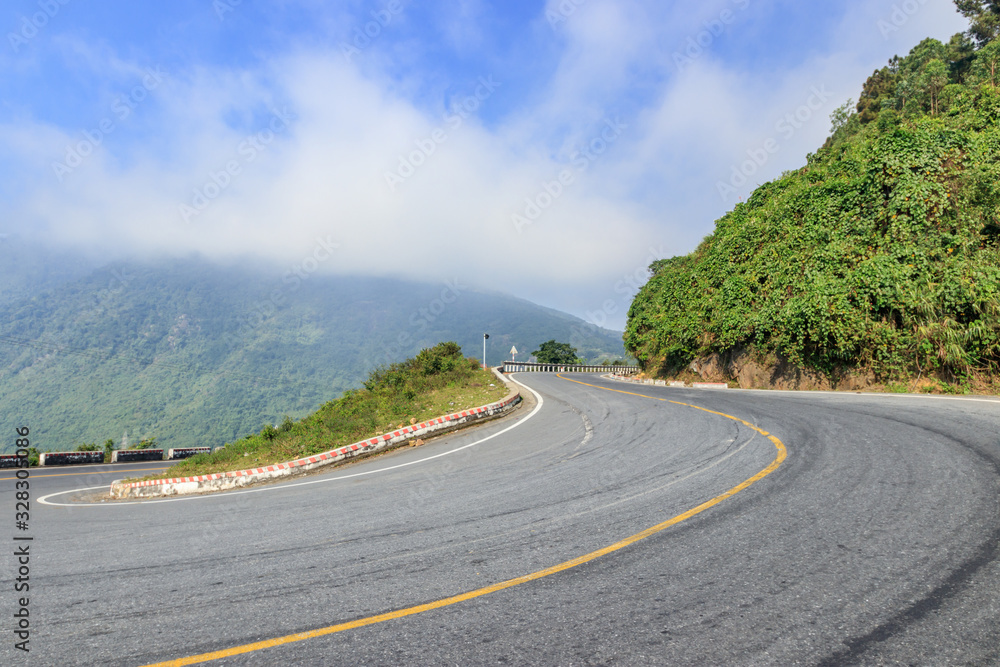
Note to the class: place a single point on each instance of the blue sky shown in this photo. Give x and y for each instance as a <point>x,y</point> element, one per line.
<point>547,149</point>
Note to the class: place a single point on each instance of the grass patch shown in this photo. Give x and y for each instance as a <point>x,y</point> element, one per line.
<point>436,382</point>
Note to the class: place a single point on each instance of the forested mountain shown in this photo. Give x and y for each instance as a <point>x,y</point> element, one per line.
<point>27,268</point>
<point>196,354</point>
<point>878,259</point>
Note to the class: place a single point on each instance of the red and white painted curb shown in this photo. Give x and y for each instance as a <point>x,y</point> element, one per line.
<point>230,480</point>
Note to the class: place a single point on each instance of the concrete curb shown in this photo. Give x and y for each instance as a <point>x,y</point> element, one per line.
<point>10,461</point>
<point>69,458</point>
<point>631,380</point>
<point>225,481</point>
<point>133,455</point>
<point>185,452</point>
<point>665,383</point>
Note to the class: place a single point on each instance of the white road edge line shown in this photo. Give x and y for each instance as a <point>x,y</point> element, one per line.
<point>274,487</point>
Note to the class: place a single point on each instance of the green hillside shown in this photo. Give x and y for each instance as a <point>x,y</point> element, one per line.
<point>27,268</point>
<point>879,258</point>
<point>437,381</point>
<point>196,354</point>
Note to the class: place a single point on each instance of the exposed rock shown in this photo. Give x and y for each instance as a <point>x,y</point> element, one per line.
<point>752,371</point>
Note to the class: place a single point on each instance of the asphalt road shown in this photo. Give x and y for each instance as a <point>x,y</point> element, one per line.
<point>875,542</point>
<point>50,479</point>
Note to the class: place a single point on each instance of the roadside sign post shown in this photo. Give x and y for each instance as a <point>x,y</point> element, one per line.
<point>485,338</point>
<point>513,353</point>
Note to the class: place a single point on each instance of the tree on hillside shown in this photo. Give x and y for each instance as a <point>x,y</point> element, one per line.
<point>985,18</point>
<point>552,352</point>
<point>927,50</point>
<point>841,116</point>
<point>878,86</point>
<point>986,68</point>
<point>961,52</point>
<point>913,85</point>
<point>147,443</point>
<point>844,122</point>
<point>902,85</point>
<point>933,80</point>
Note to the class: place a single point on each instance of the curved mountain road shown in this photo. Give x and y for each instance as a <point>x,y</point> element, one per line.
<point>874,542</point>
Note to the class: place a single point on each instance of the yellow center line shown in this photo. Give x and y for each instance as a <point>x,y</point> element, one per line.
<point>99,472</point>
<point>455,599</point>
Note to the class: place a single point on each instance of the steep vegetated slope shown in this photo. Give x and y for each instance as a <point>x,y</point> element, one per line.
<point>437,381</point>
<point>196,354</point>
<point>876,263</point>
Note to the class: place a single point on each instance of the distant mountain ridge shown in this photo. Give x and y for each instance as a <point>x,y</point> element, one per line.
<point>197,354</point>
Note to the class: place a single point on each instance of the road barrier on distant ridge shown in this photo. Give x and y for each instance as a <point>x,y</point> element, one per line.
<point>10,461</point>
<point>185,452</point>
<point>531,367</point>
<point>130,455</point>
<point>69,458</point>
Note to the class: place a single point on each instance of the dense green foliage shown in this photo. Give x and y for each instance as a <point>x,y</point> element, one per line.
<point>882,254</point>
<point>436,381</point>
<point>984,16</point>
<point>196,354</point>
<point>551,352</point>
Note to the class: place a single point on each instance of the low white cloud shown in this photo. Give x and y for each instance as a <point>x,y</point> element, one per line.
<point>330,155</point>
<point>558,202</point>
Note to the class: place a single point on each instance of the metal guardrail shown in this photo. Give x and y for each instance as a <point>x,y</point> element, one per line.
<point>530,367</point>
